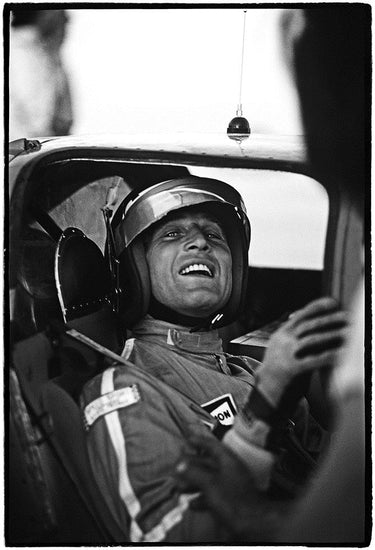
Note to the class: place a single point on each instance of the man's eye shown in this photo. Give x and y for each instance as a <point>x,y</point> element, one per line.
<point>214,235</point>
<point>173,233</point>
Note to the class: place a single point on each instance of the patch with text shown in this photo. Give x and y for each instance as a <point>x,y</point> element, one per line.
<point>222,408</point>
<point>110,402</point>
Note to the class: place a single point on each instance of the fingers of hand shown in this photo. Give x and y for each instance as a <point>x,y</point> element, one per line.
<point>317,343</point>
<point>317,361</point>
<point>313,309</point>
<point>330,321</point>
<point>313,331</point>
<point>297,354</point>
<point>287,340</point>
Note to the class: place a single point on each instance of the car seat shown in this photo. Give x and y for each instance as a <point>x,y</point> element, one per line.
<point>84,290</point>
<point>57,437</point>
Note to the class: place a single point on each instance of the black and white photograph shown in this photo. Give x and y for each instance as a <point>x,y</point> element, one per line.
<point>187,274</point>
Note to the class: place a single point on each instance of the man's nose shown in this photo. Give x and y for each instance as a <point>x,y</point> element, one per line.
<point>197,239</point>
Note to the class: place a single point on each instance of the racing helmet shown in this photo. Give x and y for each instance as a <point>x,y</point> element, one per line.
<point>142,209</point>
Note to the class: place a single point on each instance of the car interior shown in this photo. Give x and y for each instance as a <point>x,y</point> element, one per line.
<point>62,286</point>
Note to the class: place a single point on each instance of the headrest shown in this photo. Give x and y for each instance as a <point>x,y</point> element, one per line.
<point>84,289</point>
<point>82,277</point>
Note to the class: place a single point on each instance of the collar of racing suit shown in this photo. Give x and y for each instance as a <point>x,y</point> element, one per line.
<point>155,330</point>
<point>157,310</point>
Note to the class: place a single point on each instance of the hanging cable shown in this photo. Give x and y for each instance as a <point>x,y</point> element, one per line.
<point>239,107</point>
<point>239,127</point>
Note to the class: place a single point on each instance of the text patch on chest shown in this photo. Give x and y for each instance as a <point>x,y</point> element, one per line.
<point>222,408</point>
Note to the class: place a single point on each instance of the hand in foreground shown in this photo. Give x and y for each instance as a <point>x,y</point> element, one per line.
<point>310,339</point>
<point>228,489</point>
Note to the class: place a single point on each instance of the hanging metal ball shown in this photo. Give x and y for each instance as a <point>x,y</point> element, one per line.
<point>238,128</point>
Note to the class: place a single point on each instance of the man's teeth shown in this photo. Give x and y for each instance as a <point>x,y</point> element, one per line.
<point>196,267</point>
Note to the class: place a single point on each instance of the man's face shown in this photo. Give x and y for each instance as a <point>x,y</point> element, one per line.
<point>190,264</point>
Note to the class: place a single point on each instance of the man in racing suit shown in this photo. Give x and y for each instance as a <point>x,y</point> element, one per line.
<point>182,247</point>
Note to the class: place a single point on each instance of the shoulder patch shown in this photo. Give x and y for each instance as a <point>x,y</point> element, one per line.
<point>110,402</point>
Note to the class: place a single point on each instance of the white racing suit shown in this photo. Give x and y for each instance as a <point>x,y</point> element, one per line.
<point>139,421</point>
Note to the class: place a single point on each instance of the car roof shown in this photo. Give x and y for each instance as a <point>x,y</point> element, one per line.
<point>256,147</point>
<point>274,152</point>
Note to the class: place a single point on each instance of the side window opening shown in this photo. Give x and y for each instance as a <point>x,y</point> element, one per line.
<point>288,213</point>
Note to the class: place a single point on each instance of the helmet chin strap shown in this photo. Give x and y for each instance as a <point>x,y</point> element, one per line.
<point>157,310</point>
<point>207,324</point>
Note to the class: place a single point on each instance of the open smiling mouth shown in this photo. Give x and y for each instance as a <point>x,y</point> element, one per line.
<point>197,269</point>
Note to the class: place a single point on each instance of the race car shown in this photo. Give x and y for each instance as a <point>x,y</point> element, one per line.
<point>63,193</point>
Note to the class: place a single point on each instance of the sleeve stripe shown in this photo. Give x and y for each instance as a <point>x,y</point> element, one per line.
<point>114,428</point>
<point>174,516</point>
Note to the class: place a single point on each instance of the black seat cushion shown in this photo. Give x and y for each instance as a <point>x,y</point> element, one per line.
<point>68,437</point>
